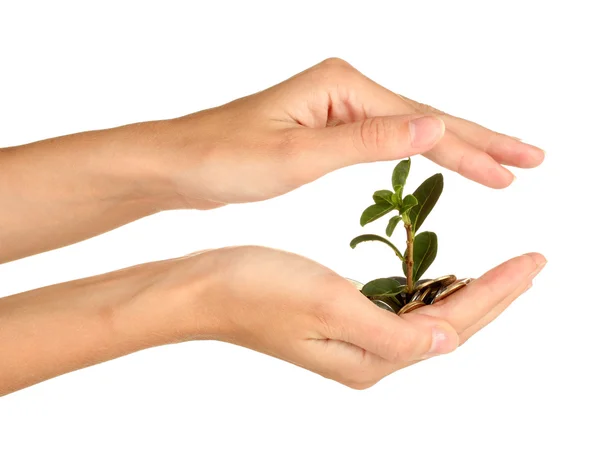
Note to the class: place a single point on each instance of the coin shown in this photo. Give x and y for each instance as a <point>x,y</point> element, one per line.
<point>446,280</point>
<point>442,281</point>
<point>451,289</point>
<point>420,295</point>
<point>402,298</point>
<point>402,280</point>
<point>410,307</point>
<point>433,294</point>
<point>386,305</point>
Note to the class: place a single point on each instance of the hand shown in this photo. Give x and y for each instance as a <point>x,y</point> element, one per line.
<point>294,309</point>
<point>251,149</point>
<point>277,303</point>
<point>325,118</point>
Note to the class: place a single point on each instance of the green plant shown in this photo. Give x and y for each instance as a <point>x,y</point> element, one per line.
<point>412,209</point>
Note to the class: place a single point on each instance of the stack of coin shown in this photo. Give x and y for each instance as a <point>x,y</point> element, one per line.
<point>426,292</point>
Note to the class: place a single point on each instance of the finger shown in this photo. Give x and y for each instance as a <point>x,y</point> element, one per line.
<point>472,303</point>
<point>394,338</point>
<point>502,148</point>
<point>373,101</point>
<point>374,139</point>
<point>470,162</point>
<point>495,312</point>
<point>465,157</point>
<point>356,357</point>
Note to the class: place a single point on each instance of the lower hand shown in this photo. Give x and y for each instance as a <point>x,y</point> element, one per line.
<point>294,309</point>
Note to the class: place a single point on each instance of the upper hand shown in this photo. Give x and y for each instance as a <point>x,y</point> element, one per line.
<point>322,119</point>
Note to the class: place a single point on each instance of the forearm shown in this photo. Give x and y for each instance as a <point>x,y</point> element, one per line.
<point>61,328</point>
<point>63,190</point>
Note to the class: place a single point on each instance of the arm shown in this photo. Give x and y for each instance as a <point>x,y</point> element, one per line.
<point>63,190</point>
<point>61,328</point>
<point>329,327</point>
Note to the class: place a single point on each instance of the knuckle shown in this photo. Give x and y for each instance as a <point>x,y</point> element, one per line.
<point>334,63</point>
<point>334,70</point>
<point>375,133</point>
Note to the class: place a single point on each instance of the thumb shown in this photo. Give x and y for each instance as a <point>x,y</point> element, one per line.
<point>397,339</point>
<point>375,139</point>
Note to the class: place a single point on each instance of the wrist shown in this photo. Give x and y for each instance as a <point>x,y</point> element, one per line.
<point>162,153</point>
<point>140,165</point>
<point>176,300</point>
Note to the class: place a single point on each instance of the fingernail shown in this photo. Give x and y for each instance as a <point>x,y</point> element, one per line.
<point>442,342</point>
<point>426,131</point>
<point>540,262</point>
<point>537,270</point>
<point>538,258</point>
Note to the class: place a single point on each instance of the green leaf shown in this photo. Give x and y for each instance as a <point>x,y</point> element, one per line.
<point>394,220</point>
<point>424,252</point>
<point>427,195</point>
<point>383,287</point>
<point>400,174</point>
<point>371,237</point>
<point>398,196</point>
<point>375,212</point>
<point>383,196</point>
<point>409,202</point>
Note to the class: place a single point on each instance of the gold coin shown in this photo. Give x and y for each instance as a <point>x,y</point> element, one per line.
<point>442,281</point>
<point>451,289</point>
<point>411,306</point>
<point>446,280</point>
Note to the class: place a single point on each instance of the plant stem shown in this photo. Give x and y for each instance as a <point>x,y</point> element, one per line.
<point>409,257</point>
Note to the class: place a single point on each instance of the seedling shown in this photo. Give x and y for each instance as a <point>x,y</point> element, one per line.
<point>402,294</point>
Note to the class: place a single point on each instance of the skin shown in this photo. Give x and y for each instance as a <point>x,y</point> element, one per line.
<point>63,190</point>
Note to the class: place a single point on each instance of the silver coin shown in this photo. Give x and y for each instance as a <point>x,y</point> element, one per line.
<point>410,307</point>
<point>420,295</point>
<point>433,293</point>
<point>451,289</point>
<point>384,305</point>
<point>443,281</point>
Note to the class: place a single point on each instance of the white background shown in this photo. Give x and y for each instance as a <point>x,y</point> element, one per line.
<point>528,381</point>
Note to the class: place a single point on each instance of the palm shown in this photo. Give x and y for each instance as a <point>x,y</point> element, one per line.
<point>295,309</point>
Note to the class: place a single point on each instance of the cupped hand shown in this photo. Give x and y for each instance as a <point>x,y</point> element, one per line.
<point>292,308</point>
<point>322,119</point>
